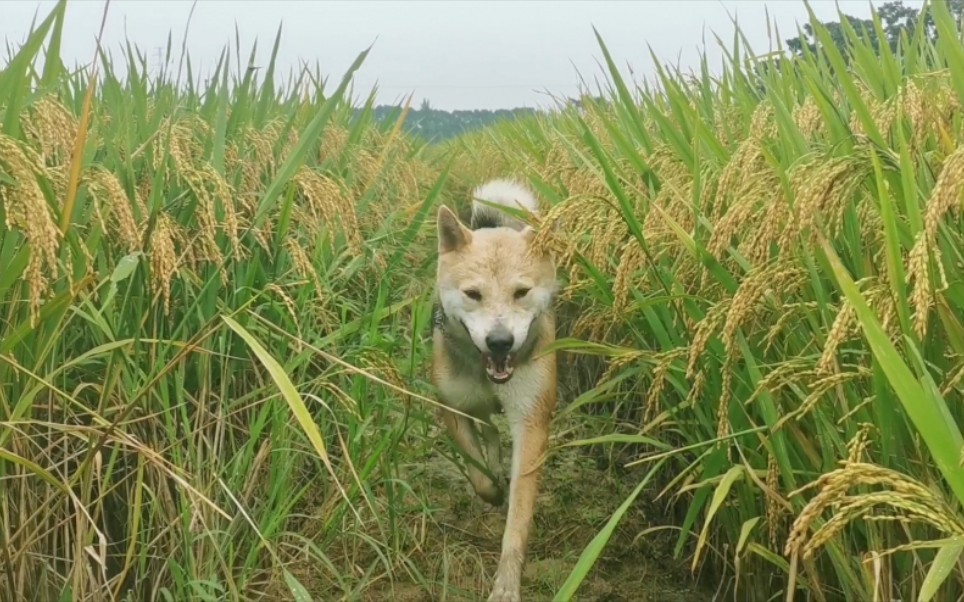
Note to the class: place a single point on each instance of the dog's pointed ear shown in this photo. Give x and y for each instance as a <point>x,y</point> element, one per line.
<point>452,235</point>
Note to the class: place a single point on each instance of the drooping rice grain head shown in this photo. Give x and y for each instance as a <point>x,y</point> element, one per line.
<point>902,494</point>
<point>953,381</point>
<point>697,386</point>
<point>329,206</point>
<point>299,258</point>
<point>858,445</point>
<point>307,271</point>
<point>912,106</point>
<point>631,259</point>
<point>109,197</point>
<point>557,162</point>
<point>808,119</point>
<point>758,245</point>
<point>664,362</point>
<point>726,394</point>
<point>163,259</point>
<point>381,365</point>
<point>291,308</point>
<point>881,299</point>
<point>928,105</point>
<point>674,199</point>
<point>705,330</point>
<point>882,112</point>
<point>844,326</point>
<point>879,296</point>
<point>52,129</point>
<point>333,143</point>
<point>366,168</point>
<point>793,372</point>
<point>209,188</point>
<point>871,224</point>
<point>776,280</point>
<point>770,281</point>
<point>26,210</point>
<point>729,124</point>
<point>252,154</point>
<point>944,198</point>
<point>824,385</point>
<point>594,324</point>
<point>747,161</point>
<point>908,507</point>
<point>789,313</point>
<point>580,225</point>
<point>822,190</point>
<point>759,193</point>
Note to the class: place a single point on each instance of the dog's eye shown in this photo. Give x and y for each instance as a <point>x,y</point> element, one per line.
<point>473,294</point>
<point>521,292</point>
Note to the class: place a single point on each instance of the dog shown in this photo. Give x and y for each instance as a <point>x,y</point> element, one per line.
<point>493,320</point>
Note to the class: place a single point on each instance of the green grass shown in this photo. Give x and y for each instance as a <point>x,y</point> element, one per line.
<point>214,313</point>
<point>188,474</point>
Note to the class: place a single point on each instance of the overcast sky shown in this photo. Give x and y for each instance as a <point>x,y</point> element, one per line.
<point>458,54</point>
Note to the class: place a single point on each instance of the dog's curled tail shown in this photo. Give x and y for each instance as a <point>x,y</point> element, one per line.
<point>505,193</point>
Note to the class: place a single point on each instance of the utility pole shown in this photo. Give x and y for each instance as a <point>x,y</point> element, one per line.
<point>159,52</point>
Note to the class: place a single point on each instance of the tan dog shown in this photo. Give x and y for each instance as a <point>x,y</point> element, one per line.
<point>493,319</point>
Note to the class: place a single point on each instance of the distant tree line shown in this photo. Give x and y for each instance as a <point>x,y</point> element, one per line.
<point>895,18</point>
<point>437,125</point>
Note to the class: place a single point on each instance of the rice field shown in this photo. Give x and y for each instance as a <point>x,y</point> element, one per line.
<point>215,304</point>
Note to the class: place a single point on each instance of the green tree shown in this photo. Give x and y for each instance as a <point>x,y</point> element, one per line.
<point>895,17</point>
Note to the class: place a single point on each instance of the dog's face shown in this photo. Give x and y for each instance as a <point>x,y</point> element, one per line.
<point>489,282</point>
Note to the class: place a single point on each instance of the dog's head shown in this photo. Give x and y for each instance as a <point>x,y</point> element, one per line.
<point>490,282</point>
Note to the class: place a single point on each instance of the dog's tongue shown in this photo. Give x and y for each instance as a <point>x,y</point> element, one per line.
<point>499,369</point>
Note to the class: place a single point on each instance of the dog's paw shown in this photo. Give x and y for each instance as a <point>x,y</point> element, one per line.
<point>504,593</point>
<point>492,494</point>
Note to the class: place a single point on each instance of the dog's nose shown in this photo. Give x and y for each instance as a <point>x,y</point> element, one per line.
<point>499,341</point>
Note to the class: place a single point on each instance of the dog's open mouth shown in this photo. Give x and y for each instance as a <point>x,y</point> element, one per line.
<point>498,369</point>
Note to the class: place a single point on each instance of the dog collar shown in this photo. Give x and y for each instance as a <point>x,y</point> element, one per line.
<point>440,321</point>
<point>438,317</point>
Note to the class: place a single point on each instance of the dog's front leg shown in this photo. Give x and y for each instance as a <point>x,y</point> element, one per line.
<point>465,435</point>
<point>530,435</point>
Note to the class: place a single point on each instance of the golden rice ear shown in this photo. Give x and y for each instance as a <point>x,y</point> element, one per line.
<point>452,235</point>
<point>542,251</point>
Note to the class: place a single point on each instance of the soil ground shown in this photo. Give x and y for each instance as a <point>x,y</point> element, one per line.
<point>576,499</point>
<point>459,536</point>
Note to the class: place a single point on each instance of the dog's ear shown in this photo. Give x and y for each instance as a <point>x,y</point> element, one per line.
<point>452,235</point>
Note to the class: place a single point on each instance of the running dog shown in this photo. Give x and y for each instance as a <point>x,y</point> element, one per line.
<point>493,321</point>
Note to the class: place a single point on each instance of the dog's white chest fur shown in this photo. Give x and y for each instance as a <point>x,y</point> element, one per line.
<point>518,396</point>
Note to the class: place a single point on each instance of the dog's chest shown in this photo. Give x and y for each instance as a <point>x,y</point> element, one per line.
<point>520,395</point>
<point>469,395</point>
<point>479,397</point>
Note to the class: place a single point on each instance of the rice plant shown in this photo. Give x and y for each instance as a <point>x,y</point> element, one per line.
<point>767,262</point>
<point>155,235</point>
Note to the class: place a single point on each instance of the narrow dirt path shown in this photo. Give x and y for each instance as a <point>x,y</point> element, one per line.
<point>576,500</point>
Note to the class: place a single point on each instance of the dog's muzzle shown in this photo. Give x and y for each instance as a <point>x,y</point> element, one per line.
<point>499,360</point>
<point>498,369</point>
